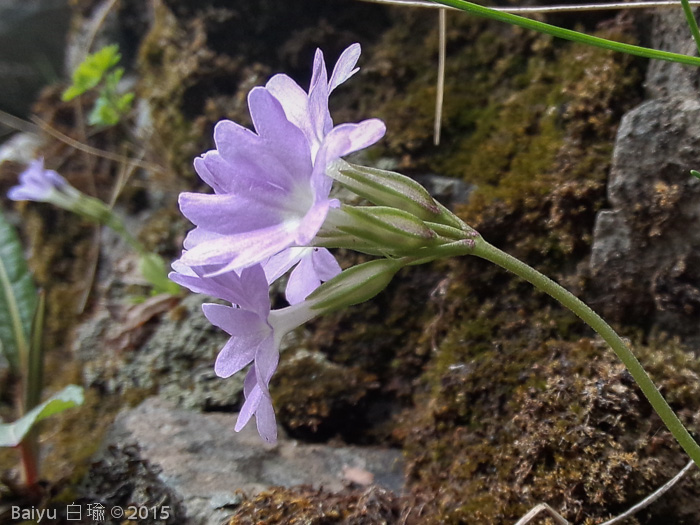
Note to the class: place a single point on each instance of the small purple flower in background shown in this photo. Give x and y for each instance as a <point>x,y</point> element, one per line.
<point>39,184</point>
<point>271,190</point>
<point>255,332</point>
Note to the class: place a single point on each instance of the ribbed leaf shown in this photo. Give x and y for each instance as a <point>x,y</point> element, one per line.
<point>17,296</point>
<point>11,434</point>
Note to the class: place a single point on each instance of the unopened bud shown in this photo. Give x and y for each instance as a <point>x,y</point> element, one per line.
<point>387,230</point>
<point>386,188</point>
<point>354,285</point>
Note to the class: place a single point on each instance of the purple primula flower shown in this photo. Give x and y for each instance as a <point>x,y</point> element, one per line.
<point>255,332</point>
<point>313,266</point>
<point>39,184</point>
<point>271,190</point>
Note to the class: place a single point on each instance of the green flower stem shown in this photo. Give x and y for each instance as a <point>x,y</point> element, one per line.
<point>486,251</point>
<point>692,23</point>
<point>96,210</point>
<point>568,34</point>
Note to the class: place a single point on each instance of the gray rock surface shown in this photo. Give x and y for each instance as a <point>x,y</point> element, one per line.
<point>644,246</point>
<point>204,462</point>
<point>670,32</point>
<point>176,361</point>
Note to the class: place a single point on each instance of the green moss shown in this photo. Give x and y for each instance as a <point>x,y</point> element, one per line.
<point>525,422</point>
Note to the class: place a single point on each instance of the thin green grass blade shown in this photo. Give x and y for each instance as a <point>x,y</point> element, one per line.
<point>17,298</point>
<point>568,34</point>
<point>692,23</point>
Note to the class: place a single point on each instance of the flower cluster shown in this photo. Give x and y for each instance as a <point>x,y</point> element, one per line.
<point>271,196</point>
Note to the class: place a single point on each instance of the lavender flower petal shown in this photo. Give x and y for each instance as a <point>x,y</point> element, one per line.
<point>236,321</point>
<point>280,263</point>
<point>320,116</point>
<point>345,139</point>
<point>259,404</point>
<point>228,214</point>
<point>251,159</point>
<point>253,395</point>
<point>315,266</point>
<point>294,100</point>
<point>232,252</point>
<point>345,66</point>
<point>302,281</point>
<point>236,354</point>
<point>283,138</point>
<point>325,265</point>
<point>265,420</point>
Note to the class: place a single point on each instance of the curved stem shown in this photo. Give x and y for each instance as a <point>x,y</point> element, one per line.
<point>490,253</point>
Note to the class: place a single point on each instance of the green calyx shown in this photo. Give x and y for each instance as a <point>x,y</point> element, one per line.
<point>375,230</point>
<point>354,285</point>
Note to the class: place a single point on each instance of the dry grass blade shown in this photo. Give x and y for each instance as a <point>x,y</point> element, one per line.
<point>652,497</point>
<point>439,97</point>
<point>542,507</point>
<point>95,151</point>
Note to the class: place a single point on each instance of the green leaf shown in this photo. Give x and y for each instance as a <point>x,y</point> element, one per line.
<point>11,434</point>
<point>17,297</point>
<point>34,373</point>
<point>113,78</point>
<point>695,173</point>
<point>124,102</point>
<point>109,109</point>
<point>90,71</point>
<point>103,113</point>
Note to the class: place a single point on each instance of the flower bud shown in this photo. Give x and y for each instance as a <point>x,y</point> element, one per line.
<point>386,188</point>
<point>386,230</point>
<point>354,285</point>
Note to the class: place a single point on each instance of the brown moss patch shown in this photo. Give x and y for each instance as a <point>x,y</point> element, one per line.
<point>513,415</point>
<point>301,505</point>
